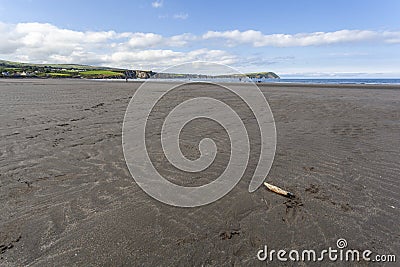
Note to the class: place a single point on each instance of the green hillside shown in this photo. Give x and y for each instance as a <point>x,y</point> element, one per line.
<point>17,70</point>
<point>10,69</point>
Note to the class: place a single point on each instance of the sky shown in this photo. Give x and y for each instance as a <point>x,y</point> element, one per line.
<point>295,39</point>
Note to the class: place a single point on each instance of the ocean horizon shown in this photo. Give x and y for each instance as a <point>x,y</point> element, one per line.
<point>338,80</point>
<point>288,80</point>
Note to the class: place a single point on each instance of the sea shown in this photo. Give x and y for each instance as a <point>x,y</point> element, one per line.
<point>306,81</point>
<point>336,81</point>
<point>282,80</point>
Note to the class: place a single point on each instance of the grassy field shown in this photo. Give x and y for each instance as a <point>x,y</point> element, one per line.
<point>100,73</point>
<point>56,74</point>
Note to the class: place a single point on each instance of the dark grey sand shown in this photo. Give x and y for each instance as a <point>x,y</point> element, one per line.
<point>67,197</point>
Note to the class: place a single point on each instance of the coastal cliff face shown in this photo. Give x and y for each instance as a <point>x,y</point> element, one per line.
<point>263,75</point>
<point>142,74</point>
<point>138,74</point>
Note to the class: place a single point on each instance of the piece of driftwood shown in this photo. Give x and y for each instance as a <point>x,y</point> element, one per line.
<point>278,190</point>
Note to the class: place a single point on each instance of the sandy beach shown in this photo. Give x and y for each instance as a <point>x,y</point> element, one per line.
<point>67,197</point>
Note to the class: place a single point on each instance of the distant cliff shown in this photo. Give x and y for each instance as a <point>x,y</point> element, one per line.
<point>261,75</point>
<point>255,75</point>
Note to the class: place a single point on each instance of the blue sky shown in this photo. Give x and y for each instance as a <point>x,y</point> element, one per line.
<point>293,38</point>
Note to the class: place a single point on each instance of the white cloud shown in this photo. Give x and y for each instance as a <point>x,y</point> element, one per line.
<point>157,3</point>
<point>181,40</point>
<point>158,59</point>
<point>392,37</point>
<point>142,40</point>
<point>182,16</point>
<point>257,38</point>
<point>46,43</point>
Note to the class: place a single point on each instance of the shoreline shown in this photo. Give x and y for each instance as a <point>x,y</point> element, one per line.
<point>287,82</point>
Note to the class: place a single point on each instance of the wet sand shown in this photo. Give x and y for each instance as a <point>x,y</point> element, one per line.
<point>67,197</point>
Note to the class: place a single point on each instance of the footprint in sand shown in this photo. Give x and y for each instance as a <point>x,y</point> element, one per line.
<point>293,210</point>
